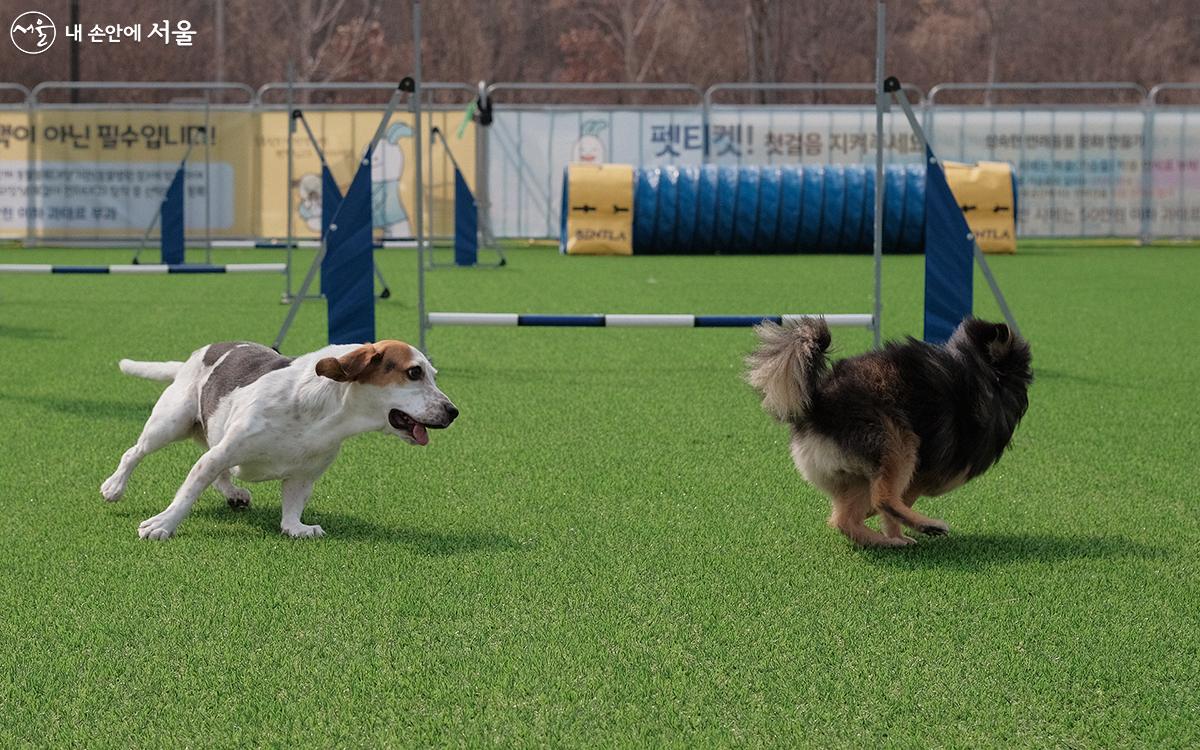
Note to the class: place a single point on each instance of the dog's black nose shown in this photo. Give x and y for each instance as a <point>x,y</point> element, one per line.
<point>451,413</point>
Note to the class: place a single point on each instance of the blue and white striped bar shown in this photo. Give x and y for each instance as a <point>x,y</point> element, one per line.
<point>145,268</point>
<point>265,244</point>
<point>282,244</point>
<point>635,321</point>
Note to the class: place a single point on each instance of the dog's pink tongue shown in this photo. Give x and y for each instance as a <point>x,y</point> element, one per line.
<point>420,434</point>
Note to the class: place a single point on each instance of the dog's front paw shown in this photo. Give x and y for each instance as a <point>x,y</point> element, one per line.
<point>302,531</point>
<point>158,527</point>
<point>935,527</point>
<point>113,488</point>
<point>238,498</point>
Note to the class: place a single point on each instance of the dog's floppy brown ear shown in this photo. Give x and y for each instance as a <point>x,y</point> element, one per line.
<point>350,367</point>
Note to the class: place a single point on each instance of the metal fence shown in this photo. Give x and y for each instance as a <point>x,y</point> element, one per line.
<point>1081,165</point>
<point>1117,160</point>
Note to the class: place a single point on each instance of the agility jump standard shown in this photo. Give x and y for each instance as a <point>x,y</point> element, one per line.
<point>950,245</point>
<point>169,215</point>
<point>349,244</point>
<point>346,257</point>
<point>466,215</point>
<point>331,198</point>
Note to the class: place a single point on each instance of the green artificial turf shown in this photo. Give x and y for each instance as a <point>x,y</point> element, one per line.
<point>610,547</point>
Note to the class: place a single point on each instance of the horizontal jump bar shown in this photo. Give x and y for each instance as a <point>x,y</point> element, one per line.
<point>282,244</point>
<point>145,268</point>
<point>634,321</point>
<point>264,244</point>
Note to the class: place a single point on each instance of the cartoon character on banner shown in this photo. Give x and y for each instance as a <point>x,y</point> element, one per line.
<point>309,188</point>
<point>387,167</point>
<point>589,148</point>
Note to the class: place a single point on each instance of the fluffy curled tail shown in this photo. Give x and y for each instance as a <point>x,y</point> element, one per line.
<point>150,370</point>
<point>787,364</point>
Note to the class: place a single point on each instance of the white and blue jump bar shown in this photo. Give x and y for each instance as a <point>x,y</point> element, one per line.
<point>635,321</point>
<point>145,268</point>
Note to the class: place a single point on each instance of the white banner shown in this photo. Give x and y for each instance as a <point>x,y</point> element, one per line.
<point>1079,172</point>
<point>1175,174</point>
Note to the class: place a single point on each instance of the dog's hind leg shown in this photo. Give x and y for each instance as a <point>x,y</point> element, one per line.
<point>296,491</point>
<point>237,497</point>
<point>204,472</point>
<point>892,479</point>
<point>890,525</point>
<point>850,509</point>
<point>172,419</point>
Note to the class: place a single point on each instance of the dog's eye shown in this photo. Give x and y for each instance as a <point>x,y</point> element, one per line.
<point>414,373</point>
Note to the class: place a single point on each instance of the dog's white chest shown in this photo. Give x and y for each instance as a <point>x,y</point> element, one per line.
<point>284,464</point>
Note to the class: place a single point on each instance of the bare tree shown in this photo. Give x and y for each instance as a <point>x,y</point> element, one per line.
<point>324,46</point>
<point>763,24</point>
<point>993,34</point>
<point>633,28</point>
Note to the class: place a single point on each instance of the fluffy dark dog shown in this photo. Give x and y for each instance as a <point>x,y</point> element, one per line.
<point>879,430</point>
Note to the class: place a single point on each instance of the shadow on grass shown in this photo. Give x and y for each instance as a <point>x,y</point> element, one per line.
<point>26,333</point>
<point>977,551</point>
<point>1041,373</point>
<point>87,408</point>
<point>341,527</point>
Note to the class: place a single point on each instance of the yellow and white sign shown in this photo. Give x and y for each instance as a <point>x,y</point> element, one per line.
<point>343,136</point>
<point>984,191</point>
<point>103,172</point>
<point>600,209</point>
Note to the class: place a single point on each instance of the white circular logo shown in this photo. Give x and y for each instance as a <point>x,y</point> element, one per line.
<point>32,32</point>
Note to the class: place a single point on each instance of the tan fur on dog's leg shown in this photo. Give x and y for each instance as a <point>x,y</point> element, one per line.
<point>894,530</point>
<point>849,511</point>
<point>891,525</point>
<point>892,481</point>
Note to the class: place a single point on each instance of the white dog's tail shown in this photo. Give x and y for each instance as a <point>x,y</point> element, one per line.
<point>150,370</point>
<point>787,364</point>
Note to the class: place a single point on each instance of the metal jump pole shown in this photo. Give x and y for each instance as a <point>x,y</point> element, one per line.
<point>482,191</point>
<point>287,275</point>
<point>298,114</point>
<point>421,314</point>
<point>880,103</point>
<point>207,178</point>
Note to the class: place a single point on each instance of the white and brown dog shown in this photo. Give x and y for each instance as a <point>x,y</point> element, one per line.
<point>263,416</point>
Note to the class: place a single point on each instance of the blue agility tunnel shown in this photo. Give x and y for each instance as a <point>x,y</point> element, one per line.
<point>726,210</point>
